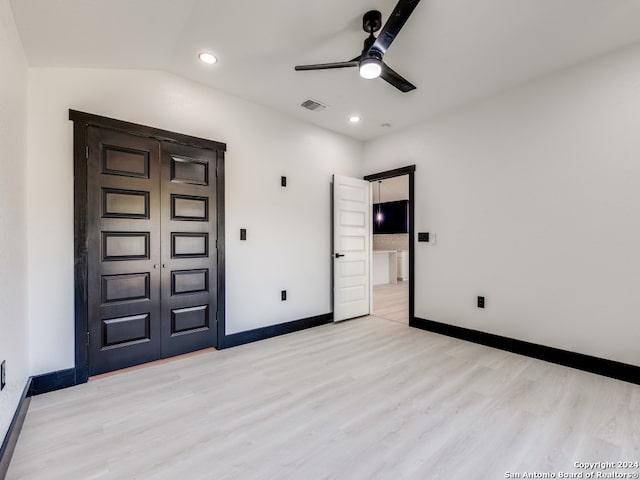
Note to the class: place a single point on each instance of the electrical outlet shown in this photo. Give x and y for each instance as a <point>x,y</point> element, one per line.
<point>3,374</point>
<point>243,234</point>
<point>480,302</point>
<point>423,237</point>
<point>283,181</point>
<point>283,295</point>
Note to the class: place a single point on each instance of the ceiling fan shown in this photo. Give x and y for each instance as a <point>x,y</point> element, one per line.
<point>370,62</point>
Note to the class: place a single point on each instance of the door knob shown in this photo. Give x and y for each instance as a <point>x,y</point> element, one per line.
<point>338,255</point>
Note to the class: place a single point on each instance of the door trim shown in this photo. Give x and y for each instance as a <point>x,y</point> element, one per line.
<point>81,121</point>
<point>398,172</point>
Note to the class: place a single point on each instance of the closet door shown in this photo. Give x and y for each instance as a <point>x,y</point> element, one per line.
<point>123,250</point>
<point>189,255</point>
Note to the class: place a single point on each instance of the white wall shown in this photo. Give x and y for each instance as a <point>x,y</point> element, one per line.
<point>13,214</point>
<point>535,199</point>
<point>391,189</point>
<point>288,229</point>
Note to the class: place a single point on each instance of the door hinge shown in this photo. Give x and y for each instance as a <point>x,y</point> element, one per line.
<point>86,151</point>
<point>88,334</point>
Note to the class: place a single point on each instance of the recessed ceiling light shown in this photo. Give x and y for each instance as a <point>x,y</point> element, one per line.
<point>355,118</point>
<point>208,58</point>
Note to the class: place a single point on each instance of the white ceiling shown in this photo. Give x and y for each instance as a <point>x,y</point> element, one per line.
<point>454,51</point>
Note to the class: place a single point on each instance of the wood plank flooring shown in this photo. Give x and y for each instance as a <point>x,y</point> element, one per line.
<point>362,399</point>
<point>391,302</point>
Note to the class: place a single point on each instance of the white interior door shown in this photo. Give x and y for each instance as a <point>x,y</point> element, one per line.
<point>351,247</point>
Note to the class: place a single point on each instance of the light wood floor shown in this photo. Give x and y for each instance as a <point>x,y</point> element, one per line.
<point>391,302</point>
<point>362,399</point>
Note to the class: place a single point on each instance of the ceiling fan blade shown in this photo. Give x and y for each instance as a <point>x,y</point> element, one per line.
<point>394,78</point>
<point>394,24</point>
<point>327,66</point>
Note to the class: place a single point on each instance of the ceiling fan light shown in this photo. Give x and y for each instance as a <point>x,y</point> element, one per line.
<point>370,68</point>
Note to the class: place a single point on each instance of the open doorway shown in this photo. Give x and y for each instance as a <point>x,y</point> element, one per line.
<point>390,249</point>
<point>392,230</point>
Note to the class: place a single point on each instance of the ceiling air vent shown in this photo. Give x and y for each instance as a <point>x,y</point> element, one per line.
<point>313,105</point>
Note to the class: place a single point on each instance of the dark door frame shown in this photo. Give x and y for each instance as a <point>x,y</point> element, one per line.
<point>398,172</point>
<point>81,121</point>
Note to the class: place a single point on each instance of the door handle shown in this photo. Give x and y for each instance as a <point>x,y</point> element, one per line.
<point>338,255</point>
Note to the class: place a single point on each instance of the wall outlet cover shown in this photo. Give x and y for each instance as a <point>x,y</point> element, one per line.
<point>480,302</point>
<point>423,236</point>
<point>283,295</point>
<point>243,234</point>
<point>283,181</point>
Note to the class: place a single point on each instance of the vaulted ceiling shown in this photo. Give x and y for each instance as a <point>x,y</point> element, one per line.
<point>454,51</point>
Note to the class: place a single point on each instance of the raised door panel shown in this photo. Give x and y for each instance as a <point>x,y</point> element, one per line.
<point>126,287</point>
<point>189,290</point>
<point>118,203</point>
<point>123,219</point>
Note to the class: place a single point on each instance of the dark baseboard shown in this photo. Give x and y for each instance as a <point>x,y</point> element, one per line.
<point>52,381</point>
<point>600,366</point>
<point>11,438</point>
<point>241,338</point>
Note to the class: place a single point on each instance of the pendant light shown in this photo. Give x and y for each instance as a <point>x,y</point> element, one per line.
<point>379,216</point>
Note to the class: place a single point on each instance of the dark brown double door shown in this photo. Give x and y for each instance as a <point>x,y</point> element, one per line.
<point>151,238</point>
